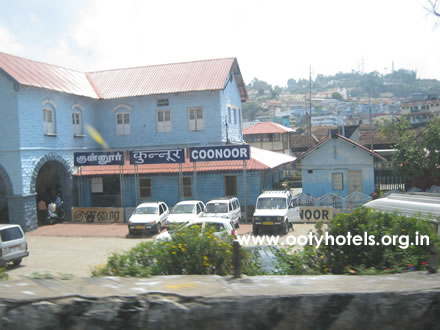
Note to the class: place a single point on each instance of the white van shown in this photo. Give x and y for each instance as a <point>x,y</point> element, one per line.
<point>13,245</point>
<point>274,210</point>
<point>225,207</point>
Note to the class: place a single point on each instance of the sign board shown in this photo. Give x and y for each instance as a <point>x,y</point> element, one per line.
<point>98,158</point>
<point>170,156</point>
<point>97,215</point>
<point>313,214</point>
<point>219,153</point>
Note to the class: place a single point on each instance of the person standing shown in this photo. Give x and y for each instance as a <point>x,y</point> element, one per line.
<point>42,212</point>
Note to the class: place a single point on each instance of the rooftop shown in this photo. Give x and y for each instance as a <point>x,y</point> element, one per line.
<point>205,75</point>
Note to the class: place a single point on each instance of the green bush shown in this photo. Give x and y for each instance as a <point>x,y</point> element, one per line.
<point>187,252</point>
<point>364,259</point>
<point>3,274</point>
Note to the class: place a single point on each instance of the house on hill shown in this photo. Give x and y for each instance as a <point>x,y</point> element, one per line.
<point>338,165</point>
<point>269,136</point>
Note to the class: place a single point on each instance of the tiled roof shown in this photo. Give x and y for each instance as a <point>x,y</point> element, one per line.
<point>267,127</point>
<point>207,75</point>
<point>260,160</point>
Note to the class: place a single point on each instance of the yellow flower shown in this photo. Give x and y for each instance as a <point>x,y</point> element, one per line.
<point>339,224</point>
<point>174,252</point>
<point>205,258</point>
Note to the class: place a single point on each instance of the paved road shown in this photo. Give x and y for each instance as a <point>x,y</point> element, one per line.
<point>73,249</point>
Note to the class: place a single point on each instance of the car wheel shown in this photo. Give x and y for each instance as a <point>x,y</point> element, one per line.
<point>159,228</point>
<point>237,225</point>
<point>16,262</point>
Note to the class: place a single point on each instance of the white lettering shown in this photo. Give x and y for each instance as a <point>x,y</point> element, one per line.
<point>235,153</point>
<point>227,153</point>
<point>210,154</point>
<point>243,153</point>
<point>195,154</point>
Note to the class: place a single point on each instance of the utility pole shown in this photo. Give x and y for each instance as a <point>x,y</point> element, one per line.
<point>309,117</point>
<point>371,119</point>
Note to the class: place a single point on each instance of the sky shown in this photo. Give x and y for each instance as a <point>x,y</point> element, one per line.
<point>273,40</point>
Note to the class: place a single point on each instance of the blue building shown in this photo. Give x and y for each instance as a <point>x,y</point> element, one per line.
<point>338,165</point>
<point>49,113</point>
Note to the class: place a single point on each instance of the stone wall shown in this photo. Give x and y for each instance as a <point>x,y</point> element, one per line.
<point>375,310</point>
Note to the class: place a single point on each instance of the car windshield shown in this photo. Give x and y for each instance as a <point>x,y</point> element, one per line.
<point>183,209</point>
<point>216,208</point>
<point>146,210</point>
<point>271,203</point>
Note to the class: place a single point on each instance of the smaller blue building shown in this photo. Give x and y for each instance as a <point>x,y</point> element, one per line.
<point>338,165</point>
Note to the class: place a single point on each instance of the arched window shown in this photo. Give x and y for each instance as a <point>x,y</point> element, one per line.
<point>77,126</point>
<point>123,122</point>
<point>49,117</point>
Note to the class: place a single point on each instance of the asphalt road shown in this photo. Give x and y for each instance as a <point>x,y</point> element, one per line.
<point>67,250</point>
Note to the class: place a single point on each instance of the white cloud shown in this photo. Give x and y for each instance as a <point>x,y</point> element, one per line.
<point>8,42</point>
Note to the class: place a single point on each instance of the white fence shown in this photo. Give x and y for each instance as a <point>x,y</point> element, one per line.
<point>349,202</point>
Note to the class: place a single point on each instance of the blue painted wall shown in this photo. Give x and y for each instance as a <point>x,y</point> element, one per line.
<point>336,156</point>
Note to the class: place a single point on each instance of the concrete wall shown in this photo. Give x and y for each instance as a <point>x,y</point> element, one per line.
<point>336,156</point>
<point>334,311</point>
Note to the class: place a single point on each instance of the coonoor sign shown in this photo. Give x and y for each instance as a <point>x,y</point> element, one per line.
<point>316,213</point>
<point>217,153</point>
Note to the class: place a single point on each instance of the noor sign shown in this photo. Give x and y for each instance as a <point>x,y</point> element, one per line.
<point>218,153</point>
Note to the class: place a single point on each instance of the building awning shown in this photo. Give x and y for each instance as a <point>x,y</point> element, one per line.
<point>260,160</point>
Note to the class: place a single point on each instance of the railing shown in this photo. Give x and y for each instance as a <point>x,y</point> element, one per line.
<point>390,182</point>
<point>351,201</point>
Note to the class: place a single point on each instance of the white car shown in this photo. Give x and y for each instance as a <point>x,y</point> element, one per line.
<point>186,211</point>
<point>13,245</point>
<point>225,207</point>
<point>148,217</point>
<point>221,226</point>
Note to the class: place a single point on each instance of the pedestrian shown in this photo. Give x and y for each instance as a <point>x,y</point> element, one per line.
<point>42,211</point>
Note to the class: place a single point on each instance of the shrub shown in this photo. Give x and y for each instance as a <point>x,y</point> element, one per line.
<point>3,274</point>
<point>187,252</point>
<point>364,258</point>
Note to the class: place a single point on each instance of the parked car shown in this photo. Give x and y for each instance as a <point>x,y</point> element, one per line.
<point>221,226</point>
<point>186,211</point>
<point>225,207</point>
<point>148,217</point>
<point>274,209</point>
<point>13,244</point>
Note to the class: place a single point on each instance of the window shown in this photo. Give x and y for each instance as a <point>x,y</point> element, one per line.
<point>229,116</point>
<point>235,116</point>
<point>196,120</point>
<point>338,181</point>
<point>145,187</point>
<point>49,121</point>
<point>76,122</point>
<point>187,187</point>
<point>164,121</point>
<point>162,102</point>
<point>97,185</point>
<point>123,123</point>
<point>231,185</point>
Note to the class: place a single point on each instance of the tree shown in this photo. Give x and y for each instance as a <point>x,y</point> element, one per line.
<point>433,7</point>
<point>337,96</point>
<point>417,155</point>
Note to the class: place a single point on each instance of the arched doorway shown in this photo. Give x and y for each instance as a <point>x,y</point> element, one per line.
<point>5,190</point>
<point>52,175</point>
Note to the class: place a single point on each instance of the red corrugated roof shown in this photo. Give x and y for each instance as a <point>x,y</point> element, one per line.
<point>345,139</point>
<point>207,75</point>
<point>266,128</point>
<point>260,160</point>
<point>187,167</point>
<point>31,73</point>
